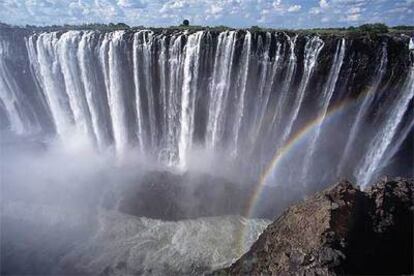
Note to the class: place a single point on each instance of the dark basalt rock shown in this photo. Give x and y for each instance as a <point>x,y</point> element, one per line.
<point>341,230</point>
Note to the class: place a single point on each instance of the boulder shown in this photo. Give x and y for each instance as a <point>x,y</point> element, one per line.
<point>341,230</point>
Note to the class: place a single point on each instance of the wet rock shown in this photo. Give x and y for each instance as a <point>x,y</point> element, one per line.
<point>341,230</point>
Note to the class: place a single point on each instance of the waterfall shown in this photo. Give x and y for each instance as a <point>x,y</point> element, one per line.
<point>269,82</point>
<point>242,82</point>
<point>327,94</point>
<point>175,65</point>
<point>147,71</point>
<point>47,66</point>
<point>237,96</point>
<point>220,85</point>
<point>364,108</point>
<point>281,103</point>
<point>191,68</point>
<point>89,80</point>
<point>312,50</point>
<point>137,81</point>
<point>382,140</point>
<point>162,64</point>
<point>115,93</point>
<point>9,90</point>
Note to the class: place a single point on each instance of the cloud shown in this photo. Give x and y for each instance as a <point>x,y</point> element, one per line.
<point>236,13</point>
<point>294,8</point>
<point>352,17</point>
<point>323,4</point>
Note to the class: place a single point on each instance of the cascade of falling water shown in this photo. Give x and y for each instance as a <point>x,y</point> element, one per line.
<point>363,110</point>
<point>190,78</point>
<point>103,61</point>
<point>88,78</point>
<point>148,39</point>
<point>82,82</point>
<point>220,85</point>
<point>43,58</point>
<point>312,49</point>
<point>9,95</point>
<point>242,79</point>
<point>162,62</point>
<point>268,88</point>
<point>175,74</point>
<point>395,145</point>
<point>67,46</point>
<point>138,104</point>
<point>283,94</point>
<point>327,94</point>
<point>264,64</point>
<point>380,143</point>
<point>115,93</point>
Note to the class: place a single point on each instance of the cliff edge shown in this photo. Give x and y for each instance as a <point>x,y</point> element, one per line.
<point>341,230</point>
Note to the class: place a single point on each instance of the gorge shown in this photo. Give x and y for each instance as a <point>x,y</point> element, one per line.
<point>169,150</point>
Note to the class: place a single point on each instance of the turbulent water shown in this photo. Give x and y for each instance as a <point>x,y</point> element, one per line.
<point>121,244</point>
<point>223,102</point>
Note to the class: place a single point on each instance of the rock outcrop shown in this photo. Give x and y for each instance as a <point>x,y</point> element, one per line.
<point>341,230</point>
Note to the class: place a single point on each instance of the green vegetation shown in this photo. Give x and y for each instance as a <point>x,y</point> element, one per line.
<point>379,28</point>
<point>365,29</point>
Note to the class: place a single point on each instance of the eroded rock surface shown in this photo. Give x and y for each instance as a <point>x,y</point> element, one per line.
<point>341,230</point>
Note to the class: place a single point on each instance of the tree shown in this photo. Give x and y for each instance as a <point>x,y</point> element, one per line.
<point>374,28</point>
<point>186,22</point>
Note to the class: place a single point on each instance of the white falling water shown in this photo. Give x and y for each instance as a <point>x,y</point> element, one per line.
<point>89,80</point>
<point>147,70</point>
<point>66,51</point>
<point>312,49</point>
<point>9,94</point>
<point>327,94</point>
<point>239,86</point>
<point>264,80</point>
<point>138,104</point>
<point>283,94</point>
<point>363,111</point>
<point>175,75</point>
<point>189,91</point>
<point>382,140</point>
<point>162,64</point>
<point>45,62</point>
<point>223,64</point>
<point>268,88</point>
<point>115,93</point>
<point>240,97</point>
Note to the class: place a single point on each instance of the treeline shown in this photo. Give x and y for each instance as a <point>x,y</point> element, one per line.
<point>370,28</point>
<point>375,28</point>
<point>90,26</point>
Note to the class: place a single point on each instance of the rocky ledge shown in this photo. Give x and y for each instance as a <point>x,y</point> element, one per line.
<point>341,230</point>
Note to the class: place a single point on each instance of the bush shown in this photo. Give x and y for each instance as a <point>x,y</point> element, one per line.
<point>374,28</point>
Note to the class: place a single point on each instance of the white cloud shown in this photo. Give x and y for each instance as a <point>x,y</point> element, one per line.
<point>352,17</point>
<point>323,4</point>
<point>238,13</point>
<point>294,8</point>
<point>315,10</point>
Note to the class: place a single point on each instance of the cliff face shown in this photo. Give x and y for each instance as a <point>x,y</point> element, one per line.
<point>238,93</point>
<point>341,230</point>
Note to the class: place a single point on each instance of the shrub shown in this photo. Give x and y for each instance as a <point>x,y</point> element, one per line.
<point>374,28</point>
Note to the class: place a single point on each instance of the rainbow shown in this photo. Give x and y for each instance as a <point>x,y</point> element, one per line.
<point>294,141</point>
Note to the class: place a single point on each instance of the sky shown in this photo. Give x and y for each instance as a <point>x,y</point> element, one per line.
<point>232,13</point>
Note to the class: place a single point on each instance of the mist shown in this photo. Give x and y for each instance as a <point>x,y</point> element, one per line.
<point>165,152</point>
